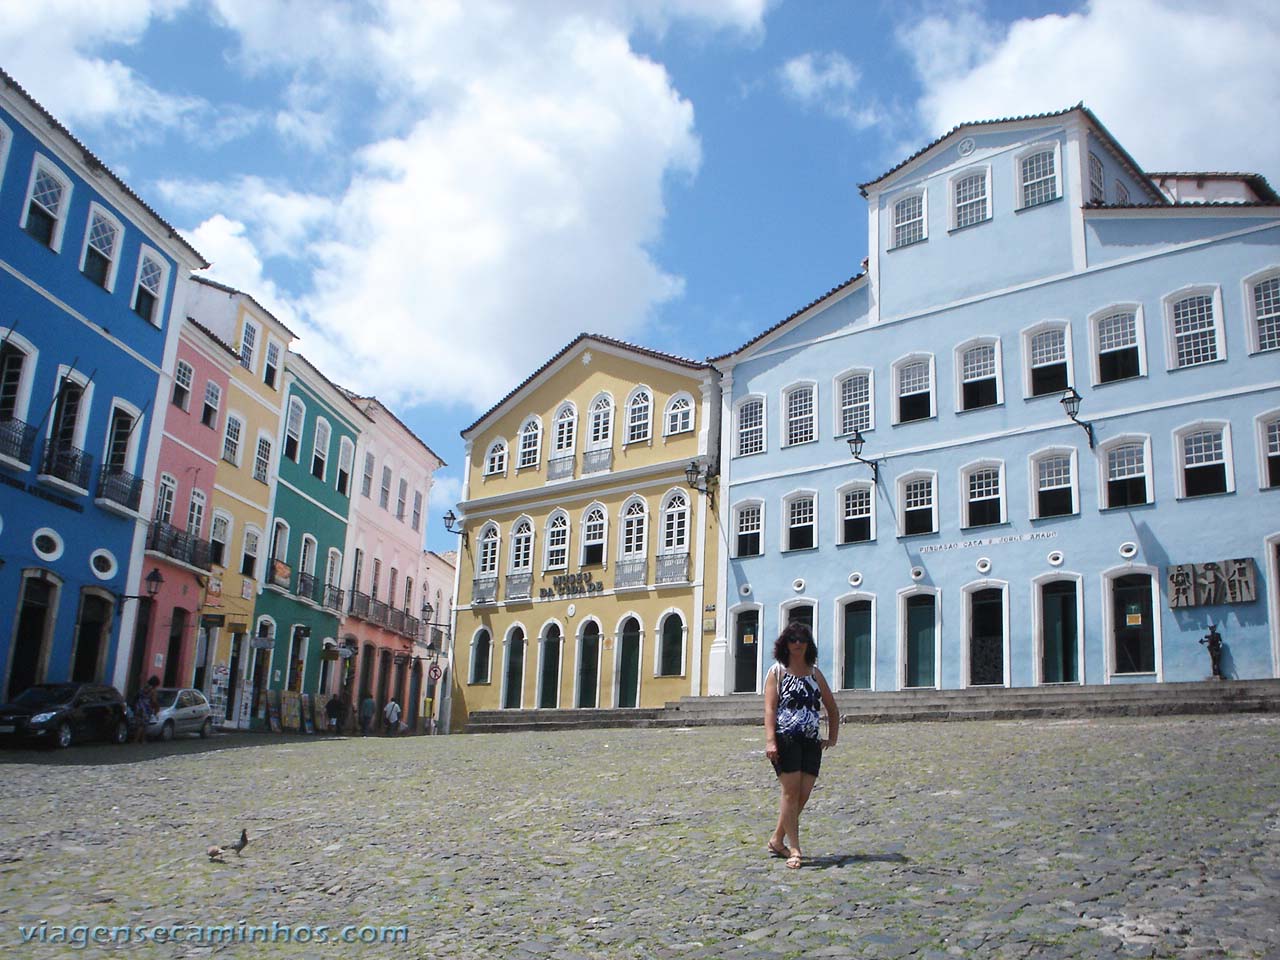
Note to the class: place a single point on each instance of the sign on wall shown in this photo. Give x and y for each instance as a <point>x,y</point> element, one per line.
<point>1209,584</point>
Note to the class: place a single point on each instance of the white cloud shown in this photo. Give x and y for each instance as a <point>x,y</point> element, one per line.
<point>446,492</point>
<point>237,264</point>
<point>1181,86</point>
<point>829,82</point>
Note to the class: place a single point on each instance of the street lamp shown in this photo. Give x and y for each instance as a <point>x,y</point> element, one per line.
<point>700,479</point>
<point>153,582</point>
<point>1071,404</point>
<point>451,522</point>
<point>856,443</point>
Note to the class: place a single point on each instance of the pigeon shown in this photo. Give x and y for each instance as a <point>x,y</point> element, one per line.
<point>241,843</point>
<point>215,854</point>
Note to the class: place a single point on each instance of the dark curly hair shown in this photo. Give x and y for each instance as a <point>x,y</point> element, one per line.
<point>798,631</point>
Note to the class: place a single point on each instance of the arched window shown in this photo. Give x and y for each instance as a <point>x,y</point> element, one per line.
<point>1054,486</point>
<point>530,443</point>
<point>678,416</point>
<point>917,504</point>
<point>601,422</point>
<point>979,374</point>
<point>1047,349</point>
<point>346,460</point>
<point>1126,466</point>
<point>1204,464</point>
<point>557,541</point>
<point>982,492</point>
<point>634,516</point>
<point>566,430</point>
<point>1263,302</point>
<point>801,408</point>
<point>913,384</point>
<point>495,460</point>
<point>522,546</point>
<point>594,531</point>
<point>488,563</point>
<point>675,523</point>
<point>639,415</point>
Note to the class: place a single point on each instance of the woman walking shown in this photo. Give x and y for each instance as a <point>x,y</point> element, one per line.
<point>794,689</point>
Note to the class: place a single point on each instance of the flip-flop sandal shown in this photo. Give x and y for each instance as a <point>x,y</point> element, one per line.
<point>779,851</point>
<point>794,862</point>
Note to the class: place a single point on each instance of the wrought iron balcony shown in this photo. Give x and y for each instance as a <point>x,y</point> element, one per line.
<point>518,586</point>
<point>177,544</point>
<point>484,589</point>
<point>630,573</point>
<point>359,604</point>
<point>307,585</point>
<point>67,463</point>
<point>120,487</point>
<point>597,461</point>
<point>560,467</point>
<point>17,440</point>
<point>673,568</point>
<point>395,620</point>
<point>411,625</point>
<point>378,612</point>
<point>333,597</point>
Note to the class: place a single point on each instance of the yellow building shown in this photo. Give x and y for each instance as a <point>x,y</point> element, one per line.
<point>241,500</point>
<point>586,552</point>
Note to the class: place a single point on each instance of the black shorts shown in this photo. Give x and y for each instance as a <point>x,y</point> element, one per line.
<point>798,754</point>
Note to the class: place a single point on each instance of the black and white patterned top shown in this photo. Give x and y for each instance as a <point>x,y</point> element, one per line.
<point>798,704</point>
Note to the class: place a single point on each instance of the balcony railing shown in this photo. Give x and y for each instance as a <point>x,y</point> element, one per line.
<point>411,625</point>
<point>333,597</point>
<point>395,620</point>
<point>560,467</point>
<point>484,589</point>
<point>178,544</point>
<point>631,573</point>
<point>120,487</point>
<point>67,463</point>
<point>307,586</point>
<point>279,573</point>
<point>359,604</point>
<point>673,568</point>
<point>597,461</point>
<point>17,440</point>
<point>517,586</point>
<point>378,612</point>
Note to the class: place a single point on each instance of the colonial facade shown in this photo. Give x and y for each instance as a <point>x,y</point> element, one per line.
<point>237,647</point>
<point>89,283</point>
<point>587,554</point>
<point>1059,376</point>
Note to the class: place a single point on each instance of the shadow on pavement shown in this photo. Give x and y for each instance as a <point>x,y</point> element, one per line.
<point>850,859</point>
<point>107,754</point>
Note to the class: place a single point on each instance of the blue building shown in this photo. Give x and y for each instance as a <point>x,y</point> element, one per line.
<point>90,277</point>
<point>1035,441</point>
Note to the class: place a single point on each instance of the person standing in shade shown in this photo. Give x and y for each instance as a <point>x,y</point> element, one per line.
<point>367,709</point>
<point>391,714</point>
<point>794,691</point>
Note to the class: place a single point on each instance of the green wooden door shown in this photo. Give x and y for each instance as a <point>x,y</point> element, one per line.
<point>588,665</point>
<point>920,640</point>
<point>1058,628</point>
<point>629,670</point>
<point>549,685</point>
<point>515,671</point>
<point>857,645</point>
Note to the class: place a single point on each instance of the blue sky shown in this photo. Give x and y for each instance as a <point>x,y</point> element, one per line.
<point>439,194</point>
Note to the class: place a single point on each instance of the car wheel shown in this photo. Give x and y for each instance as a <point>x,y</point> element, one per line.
<point>206,730</point>
<point>166,732</point>
<point>64,735</point>
<point>121,734</point>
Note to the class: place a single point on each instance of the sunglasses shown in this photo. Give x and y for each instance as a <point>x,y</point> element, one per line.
<point>796,640</point>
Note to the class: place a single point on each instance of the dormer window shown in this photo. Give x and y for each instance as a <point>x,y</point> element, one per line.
<point>908,220</point>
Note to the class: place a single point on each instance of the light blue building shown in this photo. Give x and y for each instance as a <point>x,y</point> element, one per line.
<point>986,538</point>
<point>89,279</point>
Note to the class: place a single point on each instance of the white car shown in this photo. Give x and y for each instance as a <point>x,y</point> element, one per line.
<point>181,711</point>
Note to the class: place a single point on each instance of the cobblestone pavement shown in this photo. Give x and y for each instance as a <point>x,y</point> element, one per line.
<point>1099,838</point>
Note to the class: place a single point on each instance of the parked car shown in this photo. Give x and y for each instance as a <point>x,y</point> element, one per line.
<point>182,710</point>
<point>59,714</point>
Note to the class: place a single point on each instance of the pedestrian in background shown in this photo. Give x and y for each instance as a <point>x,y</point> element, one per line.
<point>146,707</point>
<point>794,691</point>
<point>367,709</point>
<point>391,713</point>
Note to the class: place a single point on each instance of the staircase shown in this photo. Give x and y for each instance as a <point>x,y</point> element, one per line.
<point>975,703</point>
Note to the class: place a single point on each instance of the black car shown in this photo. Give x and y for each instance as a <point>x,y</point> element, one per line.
<point>58,714</point>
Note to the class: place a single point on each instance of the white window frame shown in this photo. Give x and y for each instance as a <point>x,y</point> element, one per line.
<point>764,425</point>
<point>263,437</point>
<point>97,210</point>
<point>366,474</point>
<point>493,453</point>
<point>1121,193</point>
<point>523,541</point>
<point>39,163</point>
<point>1108,620</point>
<point>251,531</point>
<point>1029,335</point>
<point>166,499</point>
<point>415,517</point>
<point>1033,480</point>
<point>983,170</point>
<point>548,563</point>
<point>846,488</point>
<point>671,516</point>
<point>333,568</point>
<point>321,450</point>
<point>923,194</point>
<point>402,498</point>
<point>790,390</point>
<point>998,356</point>
<point>837,388</point>
<point>278,546</point>
<point>790,497</point>
<point>566,414</point>
<point>1098,184</point>
<point>633,400</point>
<point>135,433</point>
<point>212,401</point>
<point>274,383</point>
<point>1149,474</point>
<point>1026,153</point>
<point>966,472</point>
<point>900,487</point>
<point>486,566</point>
<point>346,464</point>
<point>1250,284</point>
<point>896,367</point>
<point>1260,423</point>
<point>604,539</point>
<point>1037,624</point>
<point>295,404</point>
<point>384,488</point>
<point>670,411</point>
<point>532,427</point>
<point>189,386</point>
<point>86,404</point>
<point>6,140</point>
<point>249,363</point>
<point>1170,301</point>
<point>757,503</point>
<point>600,414</point>
<point>22,399</point>
<point>1180,458</point>
<point>308,552</point>
<point>228,522</point>
<point>146,253</point>
<point>1139,333</point>
<point>624,517</point>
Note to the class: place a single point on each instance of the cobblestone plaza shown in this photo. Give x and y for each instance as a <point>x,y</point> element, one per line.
<point>1082,838</point>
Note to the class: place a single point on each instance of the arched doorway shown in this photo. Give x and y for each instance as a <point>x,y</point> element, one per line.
<point>173,658</point>
<point>588,664</point>
<point>921,635</point>
<point>986,637</point>
<point>513,681</point>
<point>746,641</point>
<point>671,656</point>
<point>549,674</point>
<point>629,664</point>
<point>856,674</point>
<point>36,614</point>
<point>93,633</point>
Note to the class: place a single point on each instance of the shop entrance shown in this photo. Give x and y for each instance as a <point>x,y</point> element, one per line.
<point>1133,624</point>
<point>92,636</point>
